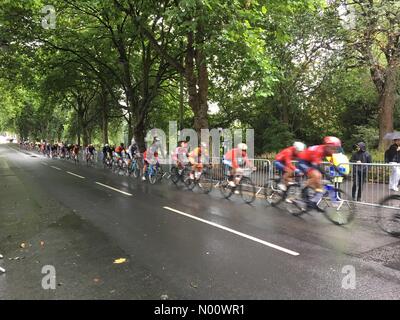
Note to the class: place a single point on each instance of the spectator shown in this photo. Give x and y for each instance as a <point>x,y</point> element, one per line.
<point>392,156</point>
<point>360,171</point>
<point>340,162</point>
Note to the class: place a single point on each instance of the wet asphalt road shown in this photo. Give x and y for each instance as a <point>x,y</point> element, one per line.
<point>201,247</point>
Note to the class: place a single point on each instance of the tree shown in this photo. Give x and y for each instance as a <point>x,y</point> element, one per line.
<point>373,39</point>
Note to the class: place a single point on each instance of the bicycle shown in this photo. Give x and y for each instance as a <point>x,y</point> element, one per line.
<point>89,159</point>
<point>154,172</point>
<point>202,179</point>
<point>246,187</point>
<point>273,194</point>
<point>119,165</point>
<point>75,157</point>
<point>133,168</point>
<point>388,218</point>
<point>180,174</point>
<point>336,205</point>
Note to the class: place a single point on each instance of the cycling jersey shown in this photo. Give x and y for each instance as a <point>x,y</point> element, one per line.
<point>180,154</point>
<point>119,149</point>
<point>133,149</point>
<point>314,155</point>
<point>197,154</point>
<point>90,149</point>
<point>235,158</point>
<point>286,156</point>
<point>150,159</point>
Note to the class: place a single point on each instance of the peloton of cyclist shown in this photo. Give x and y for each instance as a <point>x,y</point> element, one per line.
<point>283,162</point>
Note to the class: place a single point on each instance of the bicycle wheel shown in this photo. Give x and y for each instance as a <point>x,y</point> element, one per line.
<point>185,176</point>
<point>115,167</point>
<point>339,211</point>
<point>136,170</point>
<point>389,215</point>
<point>206,182</point>
<point>175,176</point>
<point>152,175</point>
<point>294,202</point>
<point>226,189</point>
<point>273,194</point>
<point>247,190</point>
<point>159,173</point>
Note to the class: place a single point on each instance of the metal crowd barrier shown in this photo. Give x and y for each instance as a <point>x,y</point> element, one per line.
<point>373,180</point>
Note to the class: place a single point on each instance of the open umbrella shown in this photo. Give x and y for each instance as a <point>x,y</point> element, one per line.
<point>392,135</point>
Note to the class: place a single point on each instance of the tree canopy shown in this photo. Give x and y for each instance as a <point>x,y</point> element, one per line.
<point>104,71</point>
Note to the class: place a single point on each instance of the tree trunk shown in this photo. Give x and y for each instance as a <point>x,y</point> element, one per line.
<point>201,119</point>
<point>130,130</point>
<point>104,122</point>
<point>197,84</point>
<point>140,135</point>
<point>85,137</point>
<point>387,101</point>
<point>105,127</point>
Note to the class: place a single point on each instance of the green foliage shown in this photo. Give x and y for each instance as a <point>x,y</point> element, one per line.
<point>283,67</point>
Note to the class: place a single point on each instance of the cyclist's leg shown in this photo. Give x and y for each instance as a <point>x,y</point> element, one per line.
<point>230,172</point>
<point>145,165</point>
<point>199,170</point>
<point>314,181</point>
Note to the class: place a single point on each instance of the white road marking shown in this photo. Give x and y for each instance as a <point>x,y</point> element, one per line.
<point>106,186</point>
<point>44,163</point>
<point>268,244</point>
<point>76,175</point>
<point>55,168</point>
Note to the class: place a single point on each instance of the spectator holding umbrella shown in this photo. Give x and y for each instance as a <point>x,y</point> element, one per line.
<point>392,156</point>
<point>360,171</point>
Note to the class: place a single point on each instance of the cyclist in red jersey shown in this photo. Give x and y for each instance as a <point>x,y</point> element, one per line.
<point>234,159</point>
<point>283,162</point>
<point>309,160</point>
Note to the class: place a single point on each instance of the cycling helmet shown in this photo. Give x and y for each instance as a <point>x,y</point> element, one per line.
<point>332,141</point>
<point>242,146</point>
<point>299,146</point>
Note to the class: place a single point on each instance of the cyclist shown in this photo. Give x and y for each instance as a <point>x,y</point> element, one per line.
<point>75,151</point>
<point>119,153</point>
<point>119,150</point>
<point>150,156</point>
<point>309,161</point>
<point>283,162</point>
<point>181,155</point>
<point>107,152</point>
<point>196,158</point>
<point>133,149</point>
<point>234,159</point>
<point>90,149</point>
